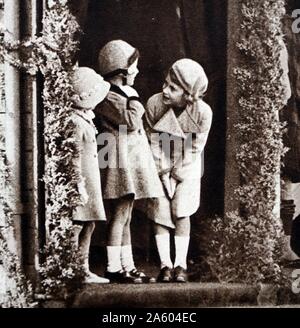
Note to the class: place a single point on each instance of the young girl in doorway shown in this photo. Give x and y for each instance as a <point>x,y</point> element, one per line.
<point>180,114</point>
<point>135,175</point>
<point>89,90</point>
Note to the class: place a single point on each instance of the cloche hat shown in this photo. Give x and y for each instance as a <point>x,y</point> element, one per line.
<point>89,87</point>
<point>115,58</point>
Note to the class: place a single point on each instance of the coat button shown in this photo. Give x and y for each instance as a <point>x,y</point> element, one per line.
<point>95,156</point>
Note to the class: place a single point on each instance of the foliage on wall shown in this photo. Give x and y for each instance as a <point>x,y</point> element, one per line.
<point>247,246</point>
<point>62,271</point>
<point>15,291</point>
<point>52,53</point>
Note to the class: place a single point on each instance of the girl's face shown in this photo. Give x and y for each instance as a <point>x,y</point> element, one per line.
<point>132,72</point>
<point>173,94</point>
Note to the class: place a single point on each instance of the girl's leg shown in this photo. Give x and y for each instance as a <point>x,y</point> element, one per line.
<point>162,238</point>
<point>182,240</point>
<point>126,237</point>
<point>85,241</point>
<point>126,252</point>
<point>120,214</point>
<point>82,232</point>
<point>77,227</point>
<point>287,214</point>
<point>126,248</point>
<point>116,225</point>
<point>84,247</point>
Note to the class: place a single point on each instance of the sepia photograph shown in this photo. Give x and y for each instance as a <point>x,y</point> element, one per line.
<point>149,156</point>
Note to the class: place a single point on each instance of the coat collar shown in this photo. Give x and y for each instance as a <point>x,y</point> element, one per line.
<point>189,119</point>
<point>87,116</point>
<point>118,90</point>
<point>170,124</point>
<point>186,122</point>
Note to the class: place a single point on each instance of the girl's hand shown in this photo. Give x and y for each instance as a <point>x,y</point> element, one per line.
<point>173,185</point>
<point>169,184</point>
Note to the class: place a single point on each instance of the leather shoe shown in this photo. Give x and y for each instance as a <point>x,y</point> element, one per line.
<point>165,275</point>
<point>180,274</point>
<point>122,277</point>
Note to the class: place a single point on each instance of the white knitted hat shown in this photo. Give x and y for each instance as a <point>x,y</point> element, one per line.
<point>191,77</point>
<point>115,57</point>
<point>89,87</point>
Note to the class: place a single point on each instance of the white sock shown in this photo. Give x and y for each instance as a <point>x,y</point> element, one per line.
<point>114,258</point>
<point>163,247</point>
<point>181,249</point>
<point>127,258</point>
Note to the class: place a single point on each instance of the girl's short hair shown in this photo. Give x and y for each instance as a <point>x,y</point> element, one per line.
<point>136,55</point>
<point>174,78</point>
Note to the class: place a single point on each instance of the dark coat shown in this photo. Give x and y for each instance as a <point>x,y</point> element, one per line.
<point>131,168</point>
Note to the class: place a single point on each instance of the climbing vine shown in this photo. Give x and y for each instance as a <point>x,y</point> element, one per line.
<point>62,271</point>
<point>15,290</point>
<point>53,53</point>
<point>247,246</point>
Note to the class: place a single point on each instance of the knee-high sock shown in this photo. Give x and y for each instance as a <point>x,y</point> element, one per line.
<point>114,258</point>
<point>163,247</point>
<point>181,249</point>
<point>127,258</point>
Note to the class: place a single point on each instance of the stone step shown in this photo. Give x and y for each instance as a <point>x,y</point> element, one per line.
<point>189,295</point>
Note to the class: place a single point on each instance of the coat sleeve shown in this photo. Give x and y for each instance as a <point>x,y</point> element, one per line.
<point>123,111</point>
<point>163,164</point>
<point>190,165</point>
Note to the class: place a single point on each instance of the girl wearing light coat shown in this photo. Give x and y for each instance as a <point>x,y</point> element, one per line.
<point>178,122</point>
<point>89,90</point>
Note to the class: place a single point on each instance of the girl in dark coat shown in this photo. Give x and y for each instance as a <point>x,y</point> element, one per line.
<point>129,173</point>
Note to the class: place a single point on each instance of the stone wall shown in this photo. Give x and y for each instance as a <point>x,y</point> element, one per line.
<point>2,110</point>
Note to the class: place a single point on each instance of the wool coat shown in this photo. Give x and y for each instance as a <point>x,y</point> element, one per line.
<point>130,168</point>
<point>180,164</point>
<point>87,163</point>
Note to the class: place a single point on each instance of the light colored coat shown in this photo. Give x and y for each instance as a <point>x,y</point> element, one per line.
<point>131,169</point>
<point>190,129</point>
<point>87,163</point>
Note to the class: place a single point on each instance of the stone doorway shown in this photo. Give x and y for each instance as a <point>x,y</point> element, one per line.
<point>165,31</point>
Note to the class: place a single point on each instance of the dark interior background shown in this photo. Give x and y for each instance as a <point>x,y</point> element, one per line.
<point>164,31</point>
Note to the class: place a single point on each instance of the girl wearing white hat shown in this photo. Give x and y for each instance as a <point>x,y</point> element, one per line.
<point>136,177</point>
<point>89,90</point>
<point>178,115</point>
